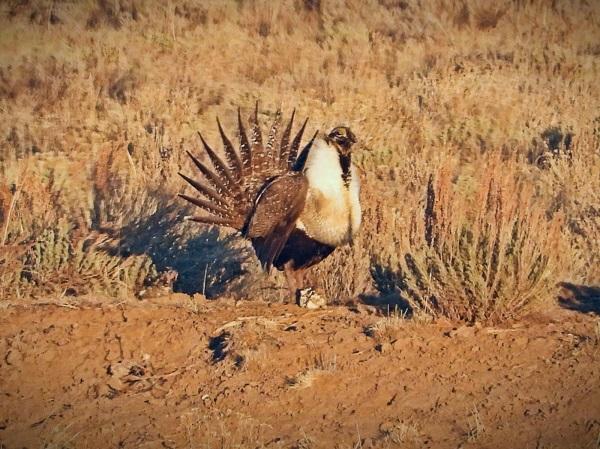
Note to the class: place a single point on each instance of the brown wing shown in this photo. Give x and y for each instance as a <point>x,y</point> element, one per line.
<point>275,213</point>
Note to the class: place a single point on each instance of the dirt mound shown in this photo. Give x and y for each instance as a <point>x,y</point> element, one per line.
<point>219,374</point>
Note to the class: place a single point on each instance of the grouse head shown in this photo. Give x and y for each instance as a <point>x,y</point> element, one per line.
<point>342,138</point>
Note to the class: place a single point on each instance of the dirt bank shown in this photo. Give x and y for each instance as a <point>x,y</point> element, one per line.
<point>173,373</point>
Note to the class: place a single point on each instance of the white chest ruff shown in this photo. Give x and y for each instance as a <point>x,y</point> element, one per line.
<point>332,212</point>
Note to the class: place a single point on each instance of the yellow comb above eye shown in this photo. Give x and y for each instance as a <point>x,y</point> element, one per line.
<point>340,131</point>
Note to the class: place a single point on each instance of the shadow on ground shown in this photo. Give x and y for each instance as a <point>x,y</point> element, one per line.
<point>206,260</point>
<point>387,298</point>
<point>582,298</point>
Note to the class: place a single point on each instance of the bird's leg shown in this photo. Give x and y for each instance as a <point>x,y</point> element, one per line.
<point>299,274</point>
<point>290,276</point>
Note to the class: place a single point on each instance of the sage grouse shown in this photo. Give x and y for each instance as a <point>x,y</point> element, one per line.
<point>295,206</point>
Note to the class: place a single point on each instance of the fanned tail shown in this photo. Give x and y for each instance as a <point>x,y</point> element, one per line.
<point>295,145</point>
<point>233,158</point>
<point>257,145</point>
<point>260,159</point>
<point>270,148</point>
<point>245,150</point>
<point>229,188</point>
<point>207,191</point>
<point>301,159</point>
<point>284,146</point>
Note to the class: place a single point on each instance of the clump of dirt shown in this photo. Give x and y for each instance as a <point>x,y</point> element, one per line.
<point>176,373</point>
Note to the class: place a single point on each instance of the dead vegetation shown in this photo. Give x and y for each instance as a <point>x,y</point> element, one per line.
<point>479,151</point>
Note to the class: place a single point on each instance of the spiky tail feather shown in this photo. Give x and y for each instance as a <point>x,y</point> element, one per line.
<point>228,189</point>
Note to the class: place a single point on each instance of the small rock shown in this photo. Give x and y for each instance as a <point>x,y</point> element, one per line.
<point>116,384</point>
<point>118,370</point>
<point>13,357</point>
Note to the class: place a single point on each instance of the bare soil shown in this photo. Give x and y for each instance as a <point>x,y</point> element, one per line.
<point>217,374</point>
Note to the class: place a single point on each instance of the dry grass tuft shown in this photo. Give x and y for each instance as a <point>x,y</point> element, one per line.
<point>320,366</point>
<point>59,262</point>
<point>400,432</point>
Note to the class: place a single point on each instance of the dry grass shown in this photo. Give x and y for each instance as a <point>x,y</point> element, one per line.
<point>475,426</point>
<point>321,365</point>
<point>497,101</point>
<point>223,429</point>
<point>401,432</point>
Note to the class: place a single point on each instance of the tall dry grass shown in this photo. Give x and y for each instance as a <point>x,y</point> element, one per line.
<point>99,100</point>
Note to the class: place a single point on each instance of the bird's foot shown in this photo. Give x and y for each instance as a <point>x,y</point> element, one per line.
<point>310,299</point>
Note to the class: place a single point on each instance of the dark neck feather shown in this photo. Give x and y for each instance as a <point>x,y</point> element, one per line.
<point>345,162</point>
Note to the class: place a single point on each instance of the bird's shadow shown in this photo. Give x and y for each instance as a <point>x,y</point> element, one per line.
<point>387,297</point>
<point>582,298</point>
<point>206,261</point>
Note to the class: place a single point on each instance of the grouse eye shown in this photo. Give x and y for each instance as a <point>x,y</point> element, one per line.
<point>337,133</point>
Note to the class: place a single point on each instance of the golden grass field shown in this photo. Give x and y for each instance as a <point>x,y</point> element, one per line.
<point>465,314</point>
<point>479,129</point>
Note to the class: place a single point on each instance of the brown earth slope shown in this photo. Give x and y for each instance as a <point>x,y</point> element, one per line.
<point>218,374</point>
